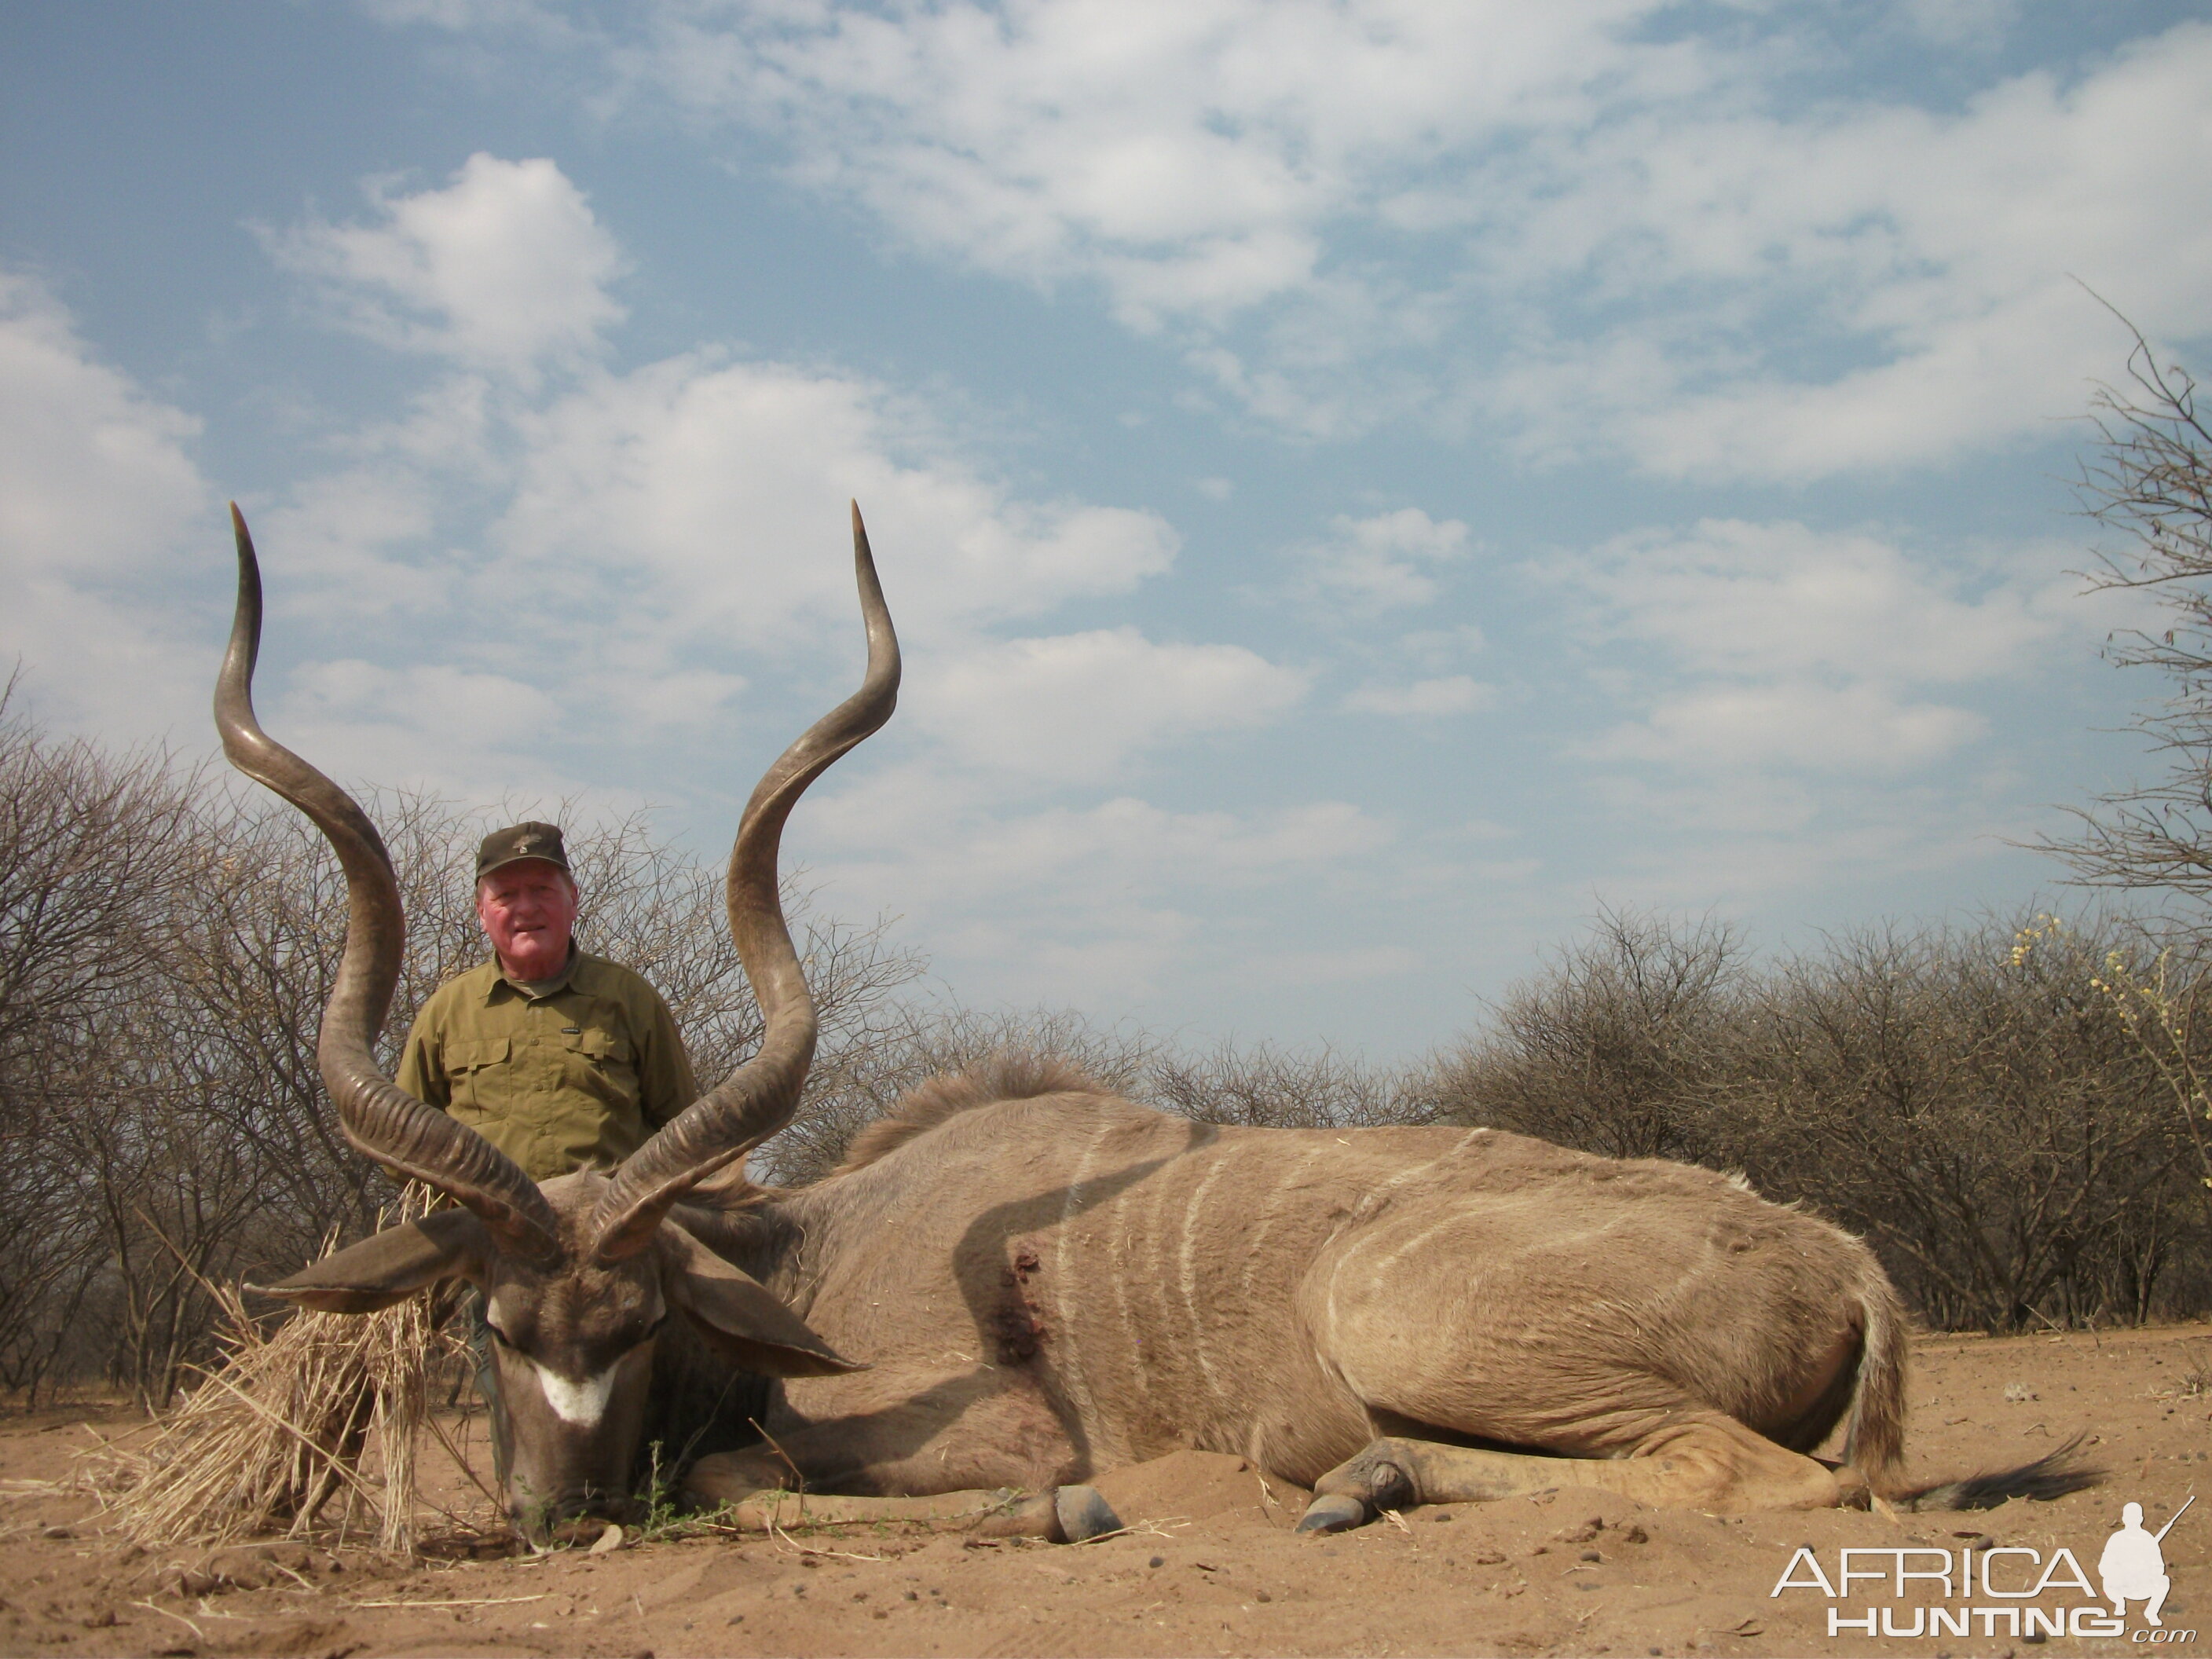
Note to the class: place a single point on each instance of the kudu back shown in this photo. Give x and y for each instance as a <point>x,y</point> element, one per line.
<point>1018,1279</point>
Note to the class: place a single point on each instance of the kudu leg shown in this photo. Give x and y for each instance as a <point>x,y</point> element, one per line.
<point>1702,1461</point>
<point>1065,1515</point>
<point>995,1469</point>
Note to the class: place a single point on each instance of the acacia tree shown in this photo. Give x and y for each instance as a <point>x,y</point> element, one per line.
<point>1615,1047</point>
<point>167,941</point>
<point>95,849</point>
<point>2151,482</point>
<point>1970,1100</point>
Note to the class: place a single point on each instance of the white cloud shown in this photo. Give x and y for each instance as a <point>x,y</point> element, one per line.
<point>1337,967</point>
<point>98,493</point>
<point>1083,705</point>
<point>646,697</point>
<point>1098,905</point>
<point>492,709</point>
<point>1383,562</point>
<point>505,268</point>
<point>459,14</point>
<point>1776,645</point>
<point>665,567</point>
<point>704,499</point>
<point>1441,647</point>
<point>664,529</point>
<point>648,527</point>
<point>1185,157</point>
<point>1448,694</point>
<point>1959,22</point>
<point>1763,599</point>
<point>1733,837</point>
<point>1857,728</point>
<point>96,471</point>
<point>1191,162</point>
<point>1127,836</point>
<point>1610,225</point>
<point>1865,284</point>
<point>462,732</point>
<point>335,538</point>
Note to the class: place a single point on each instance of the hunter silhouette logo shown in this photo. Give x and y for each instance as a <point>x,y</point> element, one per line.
<point>1992,1590</point>
<point>2133,1567</point>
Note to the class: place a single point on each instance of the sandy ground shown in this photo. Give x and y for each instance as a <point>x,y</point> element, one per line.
<point>1210,1565</point>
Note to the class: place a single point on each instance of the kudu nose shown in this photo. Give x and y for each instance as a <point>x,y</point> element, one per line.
<point>576,1515</point>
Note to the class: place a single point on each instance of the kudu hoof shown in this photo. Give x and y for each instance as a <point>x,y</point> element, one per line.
<point>1353,1493</point>
<point>1852,1491</point>
<point>1333,1512</point>
<point>1065,1515</point>
<point>1082,1514</point>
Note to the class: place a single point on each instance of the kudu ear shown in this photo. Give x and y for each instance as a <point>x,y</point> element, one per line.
<point>391,1266</point>
<point>740,1316</point>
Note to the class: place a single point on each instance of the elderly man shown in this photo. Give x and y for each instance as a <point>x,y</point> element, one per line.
<point>562,1061</point>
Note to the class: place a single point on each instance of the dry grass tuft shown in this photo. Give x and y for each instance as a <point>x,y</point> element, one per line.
<point>2196,1370</point>
<point>279,1429</point>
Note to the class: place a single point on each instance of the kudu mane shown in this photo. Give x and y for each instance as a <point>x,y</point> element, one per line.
<point>1004,1076</point>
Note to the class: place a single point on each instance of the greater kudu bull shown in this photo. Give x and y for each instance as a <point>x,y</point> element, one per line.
<point>1046,1281</point>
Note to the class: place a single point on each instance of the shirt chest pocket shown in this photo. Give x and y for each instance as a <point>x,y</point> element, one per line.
<point>603,1063</point>
<point>472,1066</point>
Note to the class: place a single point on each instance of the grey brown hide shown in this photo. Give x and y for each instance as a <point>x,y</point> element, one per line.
<point>1049,1282</point>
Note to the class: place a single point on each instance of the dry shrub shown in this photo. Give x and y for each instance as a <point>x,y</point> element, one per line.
<point>1619,1046</point>
<point>2196,1372</point>
<point>167,940</point>
<point>2149,479</point>
<point>1968,1098</point>
<point>1271,1088</point>
<point>282,1426</point>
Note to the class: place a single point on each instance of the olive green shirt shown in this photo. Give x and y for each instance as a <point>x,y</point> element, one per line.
<point>576,1076</point>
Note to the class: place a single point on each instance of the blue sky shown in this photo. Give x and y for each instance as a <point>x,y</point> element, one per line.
<point>1363,484</point>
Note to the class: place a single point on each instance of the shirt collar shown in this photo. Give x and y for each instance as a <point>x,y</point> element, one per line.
<point>560,983</point>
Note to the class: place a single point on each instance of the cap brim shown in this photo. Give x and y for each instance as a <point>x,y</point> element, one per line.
<point>526,858</point>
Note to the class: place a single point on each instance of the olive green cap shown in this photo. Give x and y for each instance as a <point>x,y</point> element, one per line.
<point>519,841</point>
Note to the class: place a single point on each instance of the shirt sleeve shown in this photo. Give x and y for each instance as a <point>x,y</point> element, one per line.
<point>666,1083</point>
<point>422,1064</point>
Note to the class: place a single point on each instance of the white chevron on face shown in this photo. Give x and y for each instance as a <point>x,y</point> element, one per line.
<point>580,1403</point>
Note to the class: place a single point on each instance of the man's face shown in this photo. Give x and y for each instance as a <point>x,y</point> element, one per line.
<point>528,909</point>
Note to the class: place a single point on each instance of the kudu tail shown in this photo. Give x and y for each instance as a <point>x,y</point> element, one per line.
<point>1874,1441</point>
<point>2052,1475</point>
<point>1874,1444</point>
